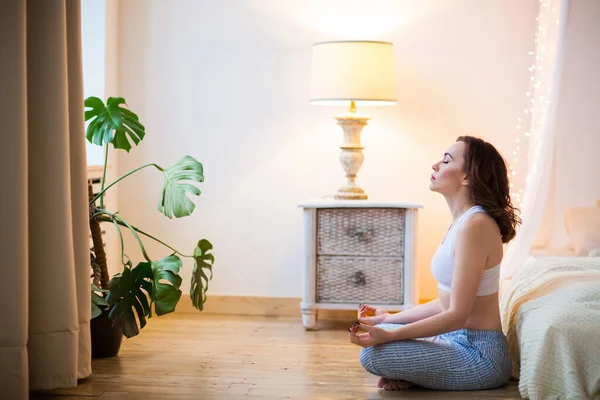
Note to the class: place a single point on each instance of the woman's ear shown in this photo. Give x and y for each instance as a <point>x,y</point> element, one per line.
<point>465,181</point>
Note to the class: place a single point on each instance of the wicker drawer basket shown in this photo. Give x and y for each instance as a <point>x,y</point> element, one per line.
<point>368,279</point>
<point>371,231</point>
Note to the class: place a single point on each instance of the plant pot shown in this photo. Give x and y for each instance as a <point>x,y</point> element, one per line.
<point>106,339</point>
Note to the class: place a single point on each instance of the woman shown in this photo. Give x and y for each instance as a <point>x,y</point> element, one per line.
<point>454,342</point>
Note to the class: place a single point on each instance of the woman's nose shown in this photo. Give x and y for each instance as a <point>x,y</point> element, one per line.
<point>434,167</point>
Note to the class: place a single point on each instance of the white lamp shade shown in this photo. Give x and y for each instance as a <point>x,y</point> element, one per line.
<point>360,71</point>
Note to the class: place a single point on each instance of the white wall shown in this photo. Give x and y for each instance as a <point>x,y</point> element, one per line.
<point>227,82</point>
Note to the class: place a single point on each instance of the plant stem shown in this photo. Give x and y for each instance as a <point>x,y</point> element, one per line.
<point>121,239</point>
<point>103,176</point>
<point>121,178</point>
<point>97,214</point>
<point>116,217</point>
<point>106,219</point>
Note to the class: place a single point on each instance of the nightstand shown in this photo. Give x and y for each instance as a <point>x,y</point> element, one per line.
<point>358,251</point>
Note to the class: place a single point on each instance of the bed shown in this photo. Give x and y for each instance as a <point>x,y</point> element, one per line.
<point>551,314</point>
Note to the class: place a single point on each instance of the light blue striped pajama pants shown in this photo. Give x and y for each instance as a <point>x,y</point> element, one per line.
<point>465,359</point>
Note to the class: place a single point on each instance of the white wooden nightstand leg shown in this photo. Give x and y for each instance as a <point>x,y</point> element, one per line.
<point>309,318</point>
<point>309,311</point>
<point>410,255</point>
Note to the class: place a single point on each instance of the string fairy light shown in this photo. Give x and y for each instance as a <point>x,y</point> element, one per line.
<point>524,162</point>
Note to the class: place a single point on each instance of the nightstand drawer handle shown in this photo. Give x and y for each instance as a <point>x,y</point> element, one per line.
<point>360,278</point>
<point>361,233</point>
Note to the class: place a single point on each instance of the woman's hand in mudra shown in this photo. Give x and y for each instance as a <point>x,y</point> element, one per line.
<point>371,336</point>
<point>371,315</point>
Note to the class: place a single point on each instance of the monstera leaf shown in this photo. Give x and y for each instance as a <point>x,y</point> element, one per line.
<point>126,295</point>
<point>202,261</point>
<point>173,199</point>
<point>110,118</point>
<point>166,291</point>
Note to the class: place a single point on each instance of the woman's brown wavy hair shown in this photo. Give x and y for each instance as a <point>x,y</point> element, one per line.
<point>488,184</point>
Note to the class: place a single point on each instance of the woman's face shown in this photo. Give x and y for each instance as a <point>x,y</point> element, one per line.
<point>448,176</point>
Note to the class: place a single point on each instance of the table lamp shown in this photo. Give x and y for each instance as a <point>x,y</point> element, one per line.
<point>352,73</point>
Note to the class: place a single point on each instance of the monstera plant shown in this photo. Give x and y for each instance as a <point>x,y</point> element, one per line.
<point>130,297</point>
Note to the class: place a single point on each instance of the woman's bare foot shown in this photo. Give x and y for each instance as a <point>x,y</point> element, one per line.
<point>390,385</point>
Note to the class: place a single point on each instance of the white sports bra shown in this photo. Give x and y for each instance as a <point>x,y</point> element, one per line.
<point>442,263</point>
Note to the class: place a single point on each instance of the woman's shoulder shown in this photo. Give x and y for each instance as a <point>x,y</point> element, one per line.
<point>479,225</point>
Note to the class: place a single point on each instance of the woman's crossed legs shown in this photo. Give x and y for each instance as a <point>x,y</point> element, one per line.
<point>461,360</point>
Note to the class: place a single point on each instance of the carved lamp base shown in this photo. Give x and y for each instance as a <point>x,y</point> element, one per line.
<point>351,156</point>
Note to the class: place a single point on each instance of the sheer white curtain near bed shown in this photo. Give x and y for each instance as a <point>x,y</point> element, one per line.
<point>549,54</point>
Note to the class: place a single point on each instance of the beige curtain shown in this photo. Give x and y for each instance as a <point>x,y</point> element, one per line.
<point>44,263</point>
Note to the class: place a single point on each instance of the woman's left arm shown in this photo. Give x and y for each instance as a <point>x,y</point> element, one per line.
<point>471,250</point>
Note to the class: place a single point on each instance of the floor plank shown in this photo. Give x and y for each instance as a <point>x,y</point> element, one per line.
<point>208,357</point>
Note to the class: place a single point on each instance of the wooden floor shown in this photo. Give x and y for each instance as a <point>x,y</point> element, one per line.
<point>228,357</point>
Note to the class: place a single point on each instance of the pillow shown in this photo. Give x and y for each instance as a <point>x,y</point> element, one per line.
<point>583,228</point>
<point>594,252</point>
